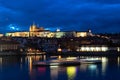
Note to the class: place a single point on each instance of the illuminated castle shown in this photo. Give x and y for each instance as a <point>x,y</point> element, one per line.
<point>34,28</point>
<point>36,31</point>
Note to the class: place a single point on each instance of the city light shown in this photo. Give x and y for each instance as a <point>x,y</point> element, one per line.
<point>118,49</point>
<point>85,48</point>
<point>59,49</point>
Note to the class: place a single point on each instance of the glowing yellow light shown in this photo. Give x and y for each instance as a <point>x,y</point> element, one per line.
<point>71,58</point>
<point>81,34</point>
<point>59,57</point>
<point>104,59</point>
<point>30,64</point>
<point>97,48</point>
<point>59,49</point>
<point>92,48</point>
<point>82,48</point>
<point>71,72</point>
<point>77,50</point>
<point>118,49</point>
<point>87,48</point>
<point>104,48</point>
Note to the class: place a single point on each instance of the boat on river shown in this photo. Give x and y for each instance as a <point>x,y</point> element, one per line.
<point>90,61</point>
<point>57,63</point>
<point>67,62</point>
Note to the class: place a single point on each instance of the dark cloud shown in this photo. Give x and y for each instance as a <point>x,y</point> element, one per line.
<point>98,15</point>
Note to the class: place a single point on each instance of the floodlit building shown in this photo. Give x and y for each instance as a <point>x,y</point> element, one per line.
<point>18,34</point>
<point>38,32</point>
<point>92,48</point>
<point>84,33</point>
<point>81,34</point>
<point>59,34</point>
<point>35,31</point>
<point>1,35</point>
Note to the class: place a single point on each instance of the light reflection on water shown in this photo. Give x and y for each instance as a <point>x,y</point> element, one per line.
<point>71,72</point>
<point>54,72</point>
<point>104,65</point>
<point>24,66</point>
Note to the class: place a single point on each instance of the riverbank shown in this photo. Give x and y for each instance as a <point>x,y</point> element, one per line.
<point>111,54</point>
<point>20,54</point>
<point>85,54</point>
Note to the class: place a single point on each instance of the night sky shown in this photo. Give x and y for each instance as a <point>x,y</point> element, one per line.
<point>97,15</point>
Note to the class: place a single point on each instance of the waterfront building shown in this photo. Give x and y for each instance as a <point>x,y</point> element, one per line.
<point>8,45</point>
<point>92,48</point>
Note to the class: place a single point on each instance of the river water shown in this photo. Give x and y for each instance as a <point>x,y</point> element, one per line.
<point>21,68</point>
